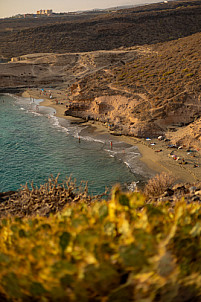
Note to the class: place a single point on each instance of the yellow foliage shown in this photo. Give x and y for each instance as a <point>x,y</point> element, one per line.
<point>117,250</point>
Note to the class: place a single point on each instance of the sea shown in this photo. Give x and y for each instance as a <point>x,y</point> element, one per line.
<point>35,144</point>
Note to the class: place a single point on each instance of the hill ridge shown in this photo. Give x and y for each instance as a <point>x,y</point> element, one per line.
<point>126,28</point>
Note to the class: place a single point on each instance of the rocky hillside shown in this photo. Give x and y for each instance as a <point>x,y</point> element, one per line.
<point>161,86</point>
<point>60,70</point>
<point>136,26</point>
<point>140,90</point>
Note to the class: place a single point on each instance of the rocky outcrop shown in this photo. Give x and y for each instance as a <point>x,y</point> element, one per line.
<point>188,192</point>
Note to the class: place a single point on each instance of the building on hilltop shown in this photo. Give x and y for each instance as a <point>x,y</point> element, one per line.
<point>46,12</point>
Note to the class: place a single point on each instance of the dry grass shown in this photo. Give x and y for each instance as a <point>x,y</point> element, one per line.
<point>53,196</point>
<point>49,198</point>
<point>159,184</point>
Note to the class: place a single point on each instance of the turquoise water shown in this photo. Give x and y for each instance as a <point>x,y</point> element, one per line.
<point>34,145</point>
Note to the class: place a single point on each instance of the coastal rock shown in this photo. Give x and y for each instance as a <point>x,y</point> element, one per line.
<point>169,192</point>
<point>179,192</point>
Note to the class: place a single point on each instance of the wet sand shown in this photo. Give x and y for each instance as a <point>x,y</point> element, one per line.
<point>155,154</point>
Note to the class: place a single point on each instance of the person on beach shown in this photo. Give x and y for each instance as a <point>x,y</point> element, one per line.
<point>111,145</point>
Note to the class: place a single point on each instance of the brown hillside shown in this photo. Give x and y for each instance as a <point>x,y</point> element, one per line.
<point>170,76</point>
<point>137,26</point>
<point>162,87</point>
<point>142,90</point>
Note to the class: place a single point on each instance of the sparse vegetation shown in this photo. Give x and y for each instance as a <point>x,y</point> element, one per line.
<point>160,73</point>
<point>163,78</point>
<point>49,198</point>
<point>135,26</point>
<point>190,75</point>
<point>159,184</point>
<point>168,73</point>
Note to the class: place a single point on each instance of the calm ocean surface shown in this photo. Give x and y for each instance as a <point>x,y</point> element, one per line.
<point>33,146</point>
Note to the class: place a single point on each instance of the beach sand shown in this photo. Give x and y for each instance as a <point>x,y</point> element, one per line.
<point>155,154</point>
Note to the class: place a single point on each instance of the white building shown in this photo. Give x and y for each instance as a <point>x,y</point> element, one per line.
<point>46,12</point>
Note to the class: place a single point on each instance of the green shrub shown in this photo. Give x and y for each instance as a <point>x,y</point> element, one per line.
<point>115,251</point>
<point>168,72</point>
<point>190,75</point>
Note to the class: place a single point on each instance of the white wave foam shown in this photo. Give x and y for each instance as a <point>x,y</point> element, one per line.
<point>55,122</point>
<point>35,113</point>
<point>90,139</point>
<point>126,154</point>
<point>127,164</point>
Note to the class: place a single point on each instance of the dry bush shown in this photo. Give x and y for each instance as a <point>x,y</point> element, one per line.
<point>158,184</point>
<point>49,198</point>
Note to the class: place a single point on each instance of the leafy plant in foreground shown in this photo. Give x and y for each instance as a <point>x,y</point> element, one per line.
<point>120,250</point>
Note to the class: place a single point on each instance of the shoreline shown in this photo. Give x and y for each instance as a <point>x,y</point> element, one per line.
<point>154,154</point>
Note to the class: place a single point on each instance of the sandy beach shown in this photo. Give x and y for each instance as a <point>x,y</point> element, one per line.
<point>158,155</point>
